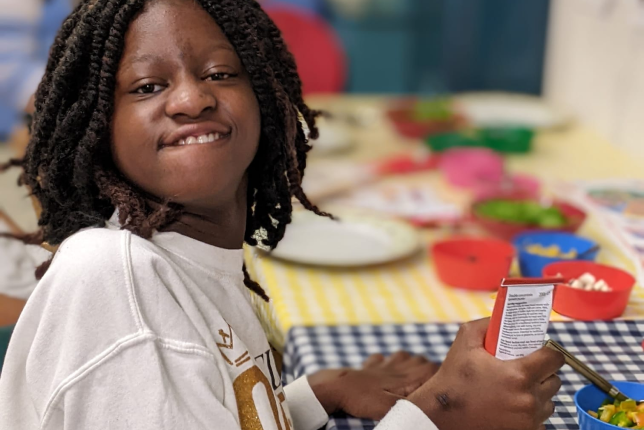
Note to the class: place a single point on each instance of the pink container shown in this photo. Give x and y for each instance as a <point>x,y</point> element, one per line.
<point>516,185</point>
<point>471,167</point>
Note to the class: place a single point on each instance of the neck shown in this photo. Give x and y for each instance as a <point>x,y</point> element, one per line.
<point>223,226</point>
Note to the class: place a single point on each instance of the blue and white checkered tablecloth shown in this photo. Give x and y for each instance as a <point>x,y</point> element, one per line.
<point>612,348</point>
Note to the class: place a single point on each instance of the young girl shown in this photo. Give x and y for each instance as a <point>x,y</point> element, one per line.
<point>166,134</point>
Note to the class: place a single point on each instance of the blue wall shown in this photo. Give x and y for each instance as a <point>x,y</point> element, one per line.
<point>433,46</point>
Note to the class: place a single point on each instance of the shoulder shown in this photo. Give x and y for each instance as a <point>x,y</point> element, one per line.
<point>101,254</point>
<point>92,275</point>
<point>88,253</point>
<point>97,249</point>
<point>90,279</point>
<point>82,307</point>
<point>89,286</point>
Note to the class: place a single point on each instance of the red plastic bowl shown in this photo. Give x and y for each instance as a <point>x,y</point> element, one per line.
<point>408,127</point>
<point>473,264</point>
<point>591,305</point>
<point>506,230</point>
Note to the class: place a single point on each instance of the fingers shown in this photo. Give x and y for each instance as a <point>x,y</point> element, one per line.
<point>377,407</point>
<point>373,360</point>
<point>419,360</point>
<point>430,370</point>
<point>397,358</point>
<point>545,393</point>
<point>550,387</point>
<point>404,361</point>
<point>547,411</point>
<point>542,364</point>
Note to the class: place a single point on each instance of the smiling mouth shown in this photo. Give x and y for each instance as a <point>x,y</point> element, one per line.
<point>199,140</point>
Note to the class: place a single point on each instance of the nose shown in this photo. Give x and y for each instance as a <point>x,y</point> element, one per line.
<point>190,98</point>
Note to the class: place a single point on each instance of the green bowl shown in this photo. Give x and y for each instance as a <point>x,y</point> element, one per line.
<point>508,140</point>
<point>5,335</point>
<point>443,142</point>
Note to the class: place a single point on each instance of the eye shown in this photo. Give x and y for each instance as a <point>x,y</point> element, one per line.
<point>220,76</point>
<point>148,89</point>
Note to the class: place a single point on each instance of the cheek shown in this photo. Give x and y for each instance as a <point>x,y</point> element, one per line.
<point>250,117</point>
<point>134,142</point>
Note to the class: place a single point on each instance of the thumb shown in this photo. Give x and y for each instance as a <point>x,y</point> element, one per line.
<point>375,407</point>
<point>472,334</point>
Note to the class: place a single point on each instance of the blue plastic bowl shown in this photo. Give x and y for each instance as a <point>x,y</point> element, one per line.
<point>590,398</point>
<point>532,265</point>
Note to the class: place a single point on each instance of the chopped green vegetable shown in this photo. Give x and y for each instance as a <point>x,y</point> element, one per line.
<point>620,419</point>
<point>438,109</point>
<point>551,218</point>
<point>522,212</point>
<point>626,414</point>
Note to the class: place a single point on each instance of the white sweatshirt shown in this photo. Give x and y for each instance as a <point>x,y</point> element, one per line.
<point>127,333</point>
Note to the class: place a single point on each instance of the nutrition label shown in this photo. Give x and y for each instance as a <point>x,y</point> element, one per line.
<point>525,320</point>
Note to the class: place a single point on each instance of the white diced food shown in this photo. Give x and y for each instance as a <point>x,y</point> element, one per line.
<point>587,279</point>
<point>601,285</point>
<point>576,283</point>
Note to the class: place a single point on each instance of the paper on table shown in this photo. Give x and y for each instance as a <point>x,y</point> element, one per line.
<point>417,202</point>
<point>619,204</point>
<point>324,179</point>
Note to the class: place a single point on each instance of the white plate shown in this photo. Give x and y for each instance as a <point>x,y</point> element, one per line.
<point>507,109</point>
<point>352,241</point>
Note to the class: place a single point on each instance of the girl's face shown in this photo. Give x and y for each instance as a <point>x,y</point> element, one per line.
<point>186,122</point>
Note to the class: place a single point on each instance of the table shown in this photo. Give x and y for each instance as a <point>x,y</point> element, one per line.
<point>614,349</point>
<point>408,291</point>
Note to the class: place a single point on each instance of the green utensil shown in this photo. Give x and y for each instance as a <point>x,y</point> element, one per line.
<point>5,335</point>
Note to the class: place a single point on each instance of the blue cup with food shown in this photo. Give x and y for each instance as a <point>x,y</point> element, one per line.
<point>536,250</point>
<point>597,411</point>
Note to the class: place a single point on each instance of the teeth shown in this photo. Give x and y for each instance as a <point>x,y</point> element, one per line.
<point>204,138</point>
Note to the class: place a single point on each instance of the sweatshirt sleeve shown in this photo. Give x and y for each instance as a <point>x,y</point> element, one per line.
<point>308,414</point>
<point>406,416</point>
<point>145,384</point>
<point>306,411</point>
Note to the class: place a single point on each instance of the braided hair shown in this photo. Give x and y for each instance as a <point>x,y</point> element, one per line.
<point>68,164</point>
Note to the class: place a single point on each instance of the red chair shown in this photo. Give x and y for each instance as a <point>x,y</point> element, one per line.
<point>317,50</point>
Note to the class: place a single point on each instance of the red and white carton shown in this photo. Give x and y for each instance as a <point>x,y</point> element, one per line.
<point>520,317</point>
